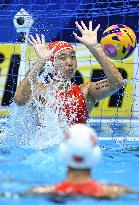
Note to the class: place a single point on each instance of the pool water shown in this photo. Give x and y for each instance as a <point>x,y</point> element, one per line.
<point>24,167</point>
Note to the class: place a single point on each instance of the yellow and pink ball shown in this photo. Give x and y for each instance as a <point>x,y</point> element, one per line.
<point>118,41</point>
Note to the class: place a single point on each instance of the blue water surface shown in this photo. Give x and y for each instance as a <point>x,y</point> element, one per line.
<point>24,167</point>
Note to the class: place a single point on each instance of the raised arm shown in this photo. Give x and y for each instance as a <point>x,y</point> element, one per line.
<point>24,92</point>
<point>103,88</point>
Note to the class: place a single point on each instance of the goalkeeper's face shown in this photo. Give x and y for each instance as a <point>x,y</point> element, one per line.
<point>65,63</point>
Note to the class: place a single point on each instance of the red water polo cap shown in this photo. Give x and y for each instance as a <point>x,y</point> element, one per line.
<point>60,45</point>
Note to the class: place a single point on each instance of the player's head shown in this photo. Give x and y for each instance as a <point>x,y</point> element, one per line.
<point>63,58</point>
<point>79,148</point>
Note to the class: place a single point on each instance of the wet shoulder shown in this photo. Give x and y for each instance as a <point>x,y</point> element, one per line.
<point>84,88</point>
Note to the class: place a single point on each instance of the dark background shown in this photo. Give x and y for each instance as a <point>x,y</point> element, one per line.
<point>58,16</point>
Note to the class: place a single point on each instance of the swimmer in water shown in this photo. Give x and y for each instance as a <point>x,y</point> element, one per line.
<point>80,152</point>
<point>62,56</point>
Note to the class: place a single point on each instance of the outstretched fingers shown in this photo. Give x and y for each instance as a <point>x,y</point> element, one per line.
<point>90,25</point>
<point>77,37</point>
<point>38,39</point>
<point>84,26</point>
<point>52,50</point>
<point>79,27</point>
<point>43,39</point>
<point>97,28</point>
<point>32,40</point>
<point>33,44</point>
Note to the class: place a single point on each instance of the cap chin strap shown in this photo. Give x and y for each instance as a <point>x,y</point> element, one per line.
<point>91,157</point>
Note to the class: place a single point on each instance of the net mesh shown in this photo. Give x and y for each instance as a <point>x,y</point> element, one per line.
<point>56,20</point>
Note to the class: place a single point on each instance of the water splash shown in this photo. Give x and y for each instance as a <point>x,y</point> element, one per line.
<point>41,122</point>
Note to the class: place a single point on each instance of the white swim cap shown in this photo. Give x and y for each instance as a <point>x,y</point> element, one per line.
<point>79,149</point>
